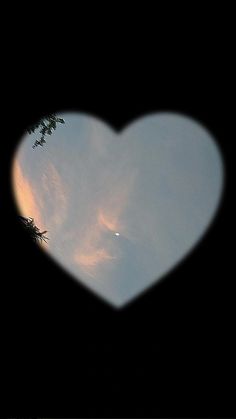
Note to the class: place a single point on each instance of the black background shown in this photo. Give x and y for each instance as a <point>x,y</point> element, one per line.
<point>64,351</point>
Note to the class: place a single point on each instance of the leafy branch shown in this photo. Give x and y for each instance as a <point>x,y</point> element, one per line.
<point>45,126</point>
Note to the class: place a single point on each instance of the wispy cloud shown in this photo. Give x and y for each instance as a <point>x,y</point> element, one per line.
<point>54,196</point>
<point>26,196</point>
<point>44,200</point>
<point>96,246</point>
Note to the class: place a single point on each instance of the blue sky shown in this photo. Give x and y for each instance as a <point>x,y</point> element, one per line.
<point>157,183</point>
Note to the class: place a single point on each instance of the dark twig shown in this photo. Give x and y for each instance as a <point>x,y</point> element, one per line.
<point>33,230</point>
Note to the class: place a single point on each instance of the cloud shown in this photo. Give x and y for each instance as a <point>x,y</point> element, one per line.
<point>108,221</point>
<point>97,245</point>
<point>26,197</point>
<point>45,199</point>
<point>54,196</point>
<point>90,259</point>
<point>93,249</point>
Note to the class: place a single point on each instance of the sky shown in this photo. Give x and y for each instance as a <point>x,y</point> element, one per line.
<point>121,208</point>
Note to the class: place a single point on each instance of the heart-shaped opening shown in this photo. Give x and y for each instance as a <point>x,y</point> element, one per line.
<point>117,210</point>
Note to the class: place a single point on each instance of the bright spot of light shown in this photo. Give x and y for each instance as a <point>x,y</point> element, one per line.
<point>117,234</point>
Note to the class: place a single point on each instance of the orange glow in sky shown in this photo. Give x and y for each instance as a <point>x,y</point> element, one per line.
<point>25,196</point>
